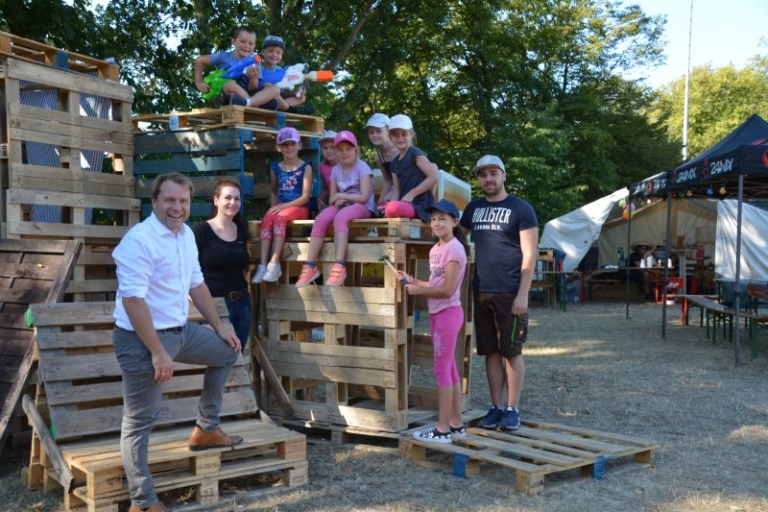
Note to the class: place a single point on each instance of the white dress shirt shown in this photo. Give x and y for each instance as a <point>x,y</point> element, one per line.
<point>160,267</point>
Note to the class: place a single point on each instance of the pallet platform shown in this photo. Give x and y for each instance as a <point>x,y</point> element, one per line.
<point>231,115</point>
<point>533,451</point>
<point>265,449</point>
<point>361,230</point>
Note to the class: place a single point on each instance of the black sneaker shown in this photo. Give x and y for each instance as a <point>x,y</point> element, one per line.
<point>433,436</point>
<point>301,109</point>
<point>220,100</point>
<point>459,431</point>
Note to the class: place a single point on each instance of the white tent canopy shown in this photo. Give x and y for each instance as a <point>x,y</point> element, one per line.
<point>754,242</point>
<point>576,231</point>
<point>601,222</point>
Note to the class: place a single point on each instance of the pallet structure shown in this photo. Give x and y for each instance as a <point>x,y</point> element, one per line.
<point>348,359</point>
<point>61,113</point>
<point>31,271</point>
<point>533,452</point>
<point>233,142</point>
<point>77,413</point>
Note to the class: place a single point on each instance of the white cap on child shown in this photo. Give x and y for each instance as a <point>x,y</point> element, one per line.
<point>400,122</point>
<point>378,120</point>
<point>327,135</point>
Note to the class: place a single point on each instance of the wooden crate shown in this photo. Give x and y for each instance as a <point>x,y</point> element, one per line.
<point>77,418</point>
<point>532,452</point>
<point>347,357</point>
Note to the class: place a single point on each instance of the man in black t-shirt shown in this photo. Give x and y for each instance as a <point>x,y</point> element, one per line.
<point>505,232</point>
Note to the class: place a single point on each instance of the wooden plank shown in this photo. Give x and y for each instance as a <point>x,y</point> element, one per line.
<point>58,179</point>
<point>59,79</point>
<point>55,230</point>
<point>73,139</point>
<point>383,378</point>
<point>231,161</point>
<point>114,130</point>
<point>186,142</point>
<point>387,322</point>
<point>332,355</point>
<point>73,200</point>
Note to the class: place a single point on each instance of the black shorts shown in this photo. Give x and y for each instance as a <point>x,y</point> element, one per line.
<point>496,328</point>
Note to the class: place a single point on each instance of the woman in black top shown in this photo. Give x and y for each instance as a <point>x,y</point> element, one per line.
<point>222,244</point>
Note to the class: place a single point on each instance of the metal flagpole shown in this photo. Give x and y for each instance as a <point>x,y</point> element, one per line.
<point>687,87</point>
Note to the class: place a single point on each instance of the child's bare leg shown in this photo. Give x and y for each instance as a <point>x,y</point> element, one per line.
<point>265,245</point>
<point>267,93</point>
<point>277,249</point>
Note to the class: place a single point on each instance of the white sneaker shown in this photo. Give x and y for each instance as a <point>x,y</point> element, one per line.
<point>258,276</point>
<point>273,272</point>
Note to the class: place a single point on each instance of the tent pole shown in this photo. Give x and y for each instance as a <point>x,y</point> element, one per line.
<point>666,270</point>
<point>737,284</point>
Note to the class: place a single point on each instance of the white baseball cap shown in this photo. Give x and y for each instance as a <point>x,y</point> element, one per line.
<point>400,122</point>
<point>378,120</point>
<point>327,135</point>
<point>489,161</point>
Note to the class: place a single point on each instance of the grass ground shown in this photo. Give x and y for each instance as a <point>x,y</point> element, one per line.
<point>589,367</point>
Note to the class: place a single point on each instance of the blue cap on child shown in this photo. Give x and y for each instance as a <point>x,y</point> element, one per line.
<point>274,41</point>
<point>287,135</point>
<point>445,206</point>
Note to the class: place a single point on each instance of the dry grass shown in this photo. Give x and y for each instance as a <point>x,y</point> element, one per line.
<point>589,367</point>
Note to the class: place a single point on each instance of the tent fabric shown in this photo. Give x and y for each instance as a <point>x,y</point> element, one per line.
<point>743,151</point>
<point>754,243</point>
<point>694,222</point>
<point>601,222</point>
<point>576,231</point>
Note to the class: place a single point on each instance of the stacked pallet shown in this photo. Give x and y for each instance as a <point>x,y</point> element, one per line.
<point>352,359</point>
<point>61,114</point>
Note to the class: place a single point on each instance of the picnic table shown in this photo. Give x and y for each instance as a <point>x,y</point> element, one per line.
<point>721,314</point>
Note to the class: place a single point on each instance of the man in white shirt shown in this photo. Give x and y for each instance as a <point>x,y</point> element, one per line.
<point>157,270</point>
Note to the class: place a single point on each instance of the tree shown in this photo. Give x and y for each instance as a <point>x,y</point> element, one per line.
<point>719,100</point>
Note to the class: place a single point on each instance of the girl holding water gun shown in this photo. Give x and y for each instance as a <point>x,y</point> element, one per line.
<point>413,175</point>
<point>243,88</point>
<point>447,265</point>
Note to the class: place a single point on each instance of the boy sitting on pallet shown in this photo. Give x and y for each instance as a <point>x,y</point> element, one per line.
<point>157,269</point>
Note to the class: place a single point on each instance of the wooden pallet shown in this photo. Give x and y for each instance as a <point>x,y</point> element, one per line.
<point>232,115</point>
<point>77,415</point>
<point>30,271</point>
<point>265,450</point>
<point>34,51</point>
<point>533,451</point>
<point>361,230</point>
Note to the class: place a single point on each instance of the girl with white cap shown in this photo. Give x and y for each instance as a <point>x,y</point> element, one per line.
<point>378,134</point>
<point>413,175</point>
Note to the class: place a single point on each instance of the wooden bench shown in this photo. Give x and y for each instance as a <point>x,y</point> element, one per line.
<point>77,417</point>
<point>717,313</point>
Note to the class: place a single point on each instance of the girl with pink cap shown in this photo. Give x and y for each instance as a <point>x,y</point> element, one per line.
<point>351,198</point>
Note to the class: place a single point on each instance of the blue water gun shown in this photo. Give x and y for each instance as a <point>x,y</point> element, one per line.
<point>217,78</point>
<point>235,69</point>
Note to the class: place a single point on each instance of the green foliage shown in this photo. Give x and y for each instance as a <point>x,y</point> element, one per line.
<point>719,101</point>
<point>537,82</point>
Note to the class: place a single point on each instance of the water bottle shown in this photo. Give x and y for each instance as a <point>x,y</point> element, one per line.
<point>620,256</point>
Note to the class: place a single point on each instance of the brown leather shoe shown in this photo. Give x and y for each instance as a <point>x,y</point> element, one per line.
<point>202,440</point>
<point>157,507</point>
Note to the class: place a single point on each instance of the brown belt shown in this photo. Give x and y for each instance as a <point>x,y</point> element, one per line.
<point>233,296</point>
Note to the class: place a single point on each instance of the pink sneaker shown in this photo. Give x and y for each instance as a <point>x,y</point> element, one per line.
<point>308,275</point>
<point>338,274</point>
